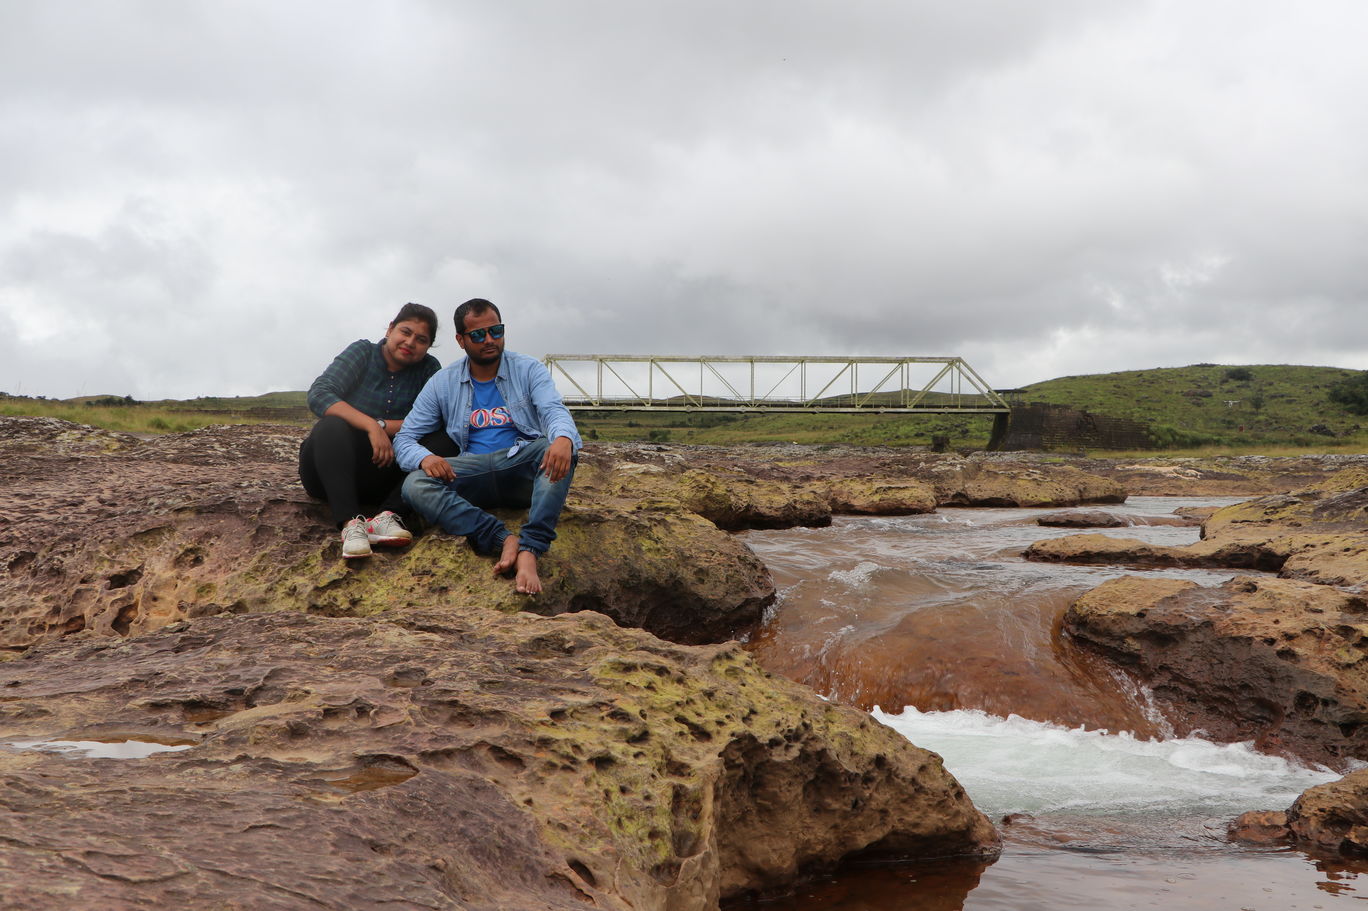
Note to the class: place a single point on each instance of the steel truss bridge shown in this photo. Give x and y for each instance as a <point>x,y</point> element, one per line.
<point>861,385</point>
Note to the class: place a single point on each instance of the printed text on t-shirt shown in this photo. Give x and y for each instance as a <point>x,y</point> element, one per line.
<point>490,417</point>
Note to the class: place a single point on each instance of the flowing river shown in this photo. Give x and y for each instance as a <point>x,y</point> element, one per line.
<point>936,625</point>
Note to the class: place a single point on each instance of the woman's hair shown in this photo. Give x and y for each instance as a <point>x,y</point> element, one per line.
<point>417,311</point>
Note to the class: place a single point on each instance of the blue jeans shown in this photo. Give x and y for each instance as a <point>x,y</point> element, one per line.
<point>489,480</point>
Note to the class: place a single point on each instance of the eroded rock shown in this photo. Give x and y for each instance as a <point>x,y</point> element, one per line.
<point>769,486</point>
<point>121,536</point>
<point>444,759</point>
<point>1091,549</point>
<point>1328,820</point>
<point>1083,518</point>
<point>1317,535</point>
<point>125,539</point>
<point>1320,532</point>
<point>1260,827</point>
<point>1220,476</point>
<point>1333,817</point>
<point>1281,662</point>
<point>403,731</point>
<point>1097,518</point>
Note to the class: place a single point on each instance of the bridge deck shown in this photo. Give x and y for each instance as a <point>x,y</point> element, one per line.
<point>761,383</point>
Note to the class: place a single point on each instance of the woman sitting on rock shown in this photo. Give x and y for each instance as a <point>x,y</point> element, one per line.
<point>361,401</point>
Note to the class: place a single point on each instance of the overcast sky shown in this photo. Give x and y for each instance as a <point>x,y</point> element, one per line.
<point>215,197</point>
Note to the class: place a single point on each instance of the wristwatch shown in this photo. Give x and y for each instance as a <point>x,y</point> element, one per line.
<point>381,422</point>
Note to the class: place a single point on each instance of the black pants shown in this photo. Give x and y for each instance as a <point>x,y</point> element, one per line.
<point>335,466</point>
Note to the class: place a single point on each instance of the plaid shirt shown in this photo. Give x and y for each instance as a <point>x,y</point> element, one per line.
<point>360,377</point>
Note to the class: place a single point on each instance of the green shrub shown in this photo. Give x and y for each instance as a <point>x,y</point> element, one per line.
<point>1352,393</point>
<point>1166,437</point>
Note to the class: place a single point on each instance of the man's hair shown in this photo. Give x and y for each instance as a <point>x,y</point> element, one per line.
<point>419,312</point>
<point>473,307</point>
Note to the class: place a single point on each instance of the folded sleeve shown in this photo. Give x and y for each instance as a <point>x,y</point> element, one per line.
<point>546,398</point>
<point>340,378</point>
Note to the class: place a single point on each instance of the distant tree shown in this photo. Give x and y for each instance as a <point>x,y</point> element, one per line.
<point>1352,393</point>
<point>1239,374</point>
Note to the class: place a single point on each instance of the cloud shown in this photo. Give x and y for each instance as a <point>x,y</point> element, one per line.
<point>205,198</point>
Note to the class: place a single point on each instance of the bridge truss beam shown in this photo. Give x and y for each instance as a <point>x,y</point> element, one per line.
<point>601,382</point>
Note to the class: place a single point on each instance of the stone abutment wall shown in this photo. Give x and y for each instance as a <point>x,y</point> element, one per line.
<point>1042,426</point>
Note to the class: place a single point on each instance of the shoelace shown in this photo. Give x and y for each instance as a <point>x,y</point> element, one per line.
<point>387,522</point>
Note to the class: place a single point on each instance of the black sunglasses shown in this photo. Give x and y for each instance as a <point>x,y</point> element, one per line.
<point>478,335</point>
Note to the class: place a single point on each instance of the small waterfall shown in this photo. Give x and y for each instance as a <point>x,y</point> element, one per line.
<point>1012,765</point>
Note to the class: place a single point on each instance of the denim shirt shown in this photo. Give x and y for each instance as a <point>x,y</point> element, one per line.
<point>446,401</point>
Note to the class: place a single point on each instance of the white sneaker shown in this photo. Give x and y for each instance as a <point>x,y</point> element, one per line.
<point>355,542</point>
<point>388,529</point>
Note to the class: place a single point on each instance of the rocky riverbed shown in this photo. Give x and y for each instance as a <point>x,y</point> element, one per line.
<point>410,733</point>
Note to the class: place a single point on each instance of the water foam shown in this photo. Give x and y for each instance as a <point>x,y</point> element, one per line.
<point>1011,765</point>
<point>97,749</point>
<point>857,577</point>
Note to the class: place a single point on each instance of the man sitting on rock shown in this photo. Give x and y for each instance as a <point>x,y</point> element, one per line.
<point>518,447</point>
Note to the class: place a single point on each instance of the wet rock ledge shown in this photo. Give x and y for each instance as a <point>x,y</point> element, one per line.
<point>1279,657</point>
<point>442,759</point>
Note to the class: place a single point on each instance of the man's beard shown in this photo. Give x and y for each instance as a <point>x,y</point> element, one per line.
<point>484,360</point>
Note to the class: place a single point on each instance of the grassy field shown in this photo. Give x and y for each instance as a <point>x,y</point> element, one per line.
<point>721,428</point>
<point>169,416</point>
<point>1199,410</point>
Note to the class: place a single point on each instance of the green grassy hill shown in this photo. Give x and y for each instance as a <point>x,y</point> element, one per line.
<point>1218,405</point>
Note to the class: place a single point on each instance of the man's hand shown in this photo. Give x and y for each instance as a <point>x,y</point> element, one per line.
<point>382,450</point>
<point>556,463</point>
<point>435,466</point>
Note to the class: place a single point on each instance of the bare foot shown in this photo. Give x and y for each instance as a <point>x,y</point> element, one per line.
<point>508,557</point>
<point>528,582</point>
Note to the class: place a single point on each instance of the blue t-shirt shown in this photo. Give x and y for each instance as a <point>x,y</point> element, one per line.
<point>491,428</point>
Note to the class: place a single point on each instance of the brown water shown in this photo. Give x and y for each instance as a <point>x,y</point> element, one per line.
<point>938,620</point>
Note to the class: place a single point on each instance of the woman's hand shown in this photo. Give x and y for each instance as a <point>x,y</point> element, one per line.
<point>382,450</point>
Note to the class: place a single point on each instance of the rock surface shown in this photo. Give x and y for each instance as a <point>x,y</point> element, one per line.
<point>403,732</point>
<point>1220,476</point>
<point>1328,820</point>
<point>1281,662</point>
<point>435,759</point>
<point>1098,518</point>
<point>122,536</point>
<point>771,486</point>
<point>1318,535</point>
